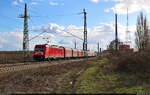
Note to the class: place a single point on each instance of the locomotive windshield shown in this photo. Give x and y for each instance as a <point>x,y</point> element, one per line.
<point>39,48</point>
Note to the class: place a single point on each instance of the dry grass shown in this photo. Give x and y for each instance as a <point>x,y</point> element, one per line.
<point>132,70</point>
<point>134,63</point>
<point>51,79</point>
<point>7,57</point>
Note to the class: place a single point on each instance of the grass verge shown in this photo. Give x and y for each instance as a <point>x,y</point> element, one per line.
<point>97,79</point>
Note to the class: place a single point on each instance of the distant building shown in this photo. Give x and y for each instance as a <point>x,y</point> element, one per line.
<point>121,46</point>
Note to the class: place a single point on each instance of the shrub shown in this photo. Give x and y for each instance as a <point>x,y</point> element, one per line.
<point>130,62</point>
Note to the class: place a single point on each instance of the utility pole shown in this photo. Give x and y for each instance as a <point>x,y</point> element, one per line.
<point>75,45</point>
<point>85,34</point>
<point>116,33</point>
<point>98,47</point>
<point>25,34</point>
<point>100,50</point>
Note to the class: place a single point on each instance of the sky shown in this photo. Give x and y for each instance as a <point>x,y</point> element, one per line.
<point>60,19</point>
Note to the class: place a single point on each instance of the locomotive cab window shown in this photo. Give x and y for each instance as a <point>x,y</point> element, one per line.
<point>39,48</point>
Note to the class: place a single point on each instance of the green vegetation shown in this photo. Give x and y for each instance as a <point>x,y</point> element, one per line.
<point>97,79</point>
<point>90,80</point>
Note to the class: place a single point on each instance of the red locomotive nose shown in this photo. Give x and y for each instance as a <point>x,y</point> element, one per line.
<point>39,50</point>
<point>38,53</point>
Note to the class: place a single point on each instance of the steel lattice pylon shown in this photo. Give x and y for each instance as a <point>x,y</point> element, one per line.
<point>85,33</point>
<point>25,35</point>
<point>128,41</point>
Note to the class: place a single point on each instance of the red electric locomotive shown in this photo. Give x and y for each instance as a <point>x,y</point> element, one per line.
<point>42,52</point>
<point>39,52</point>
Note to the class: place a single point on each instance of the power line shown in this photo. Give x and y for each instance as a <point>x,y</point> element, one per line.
<point>72,35</point>
<point>42,33</point>
<point>61,35</point>
<point>55,15</point>
<point>37,35</point>
<point>32,22</point>
<point>61,30</point>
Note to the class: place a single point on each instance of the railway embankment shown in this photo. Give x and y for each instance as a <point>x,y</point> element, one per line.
<point>44,79</point>
<point>99,78</point>
<point>9,57</point>
<point>94,76</point>
<point>117,74</point>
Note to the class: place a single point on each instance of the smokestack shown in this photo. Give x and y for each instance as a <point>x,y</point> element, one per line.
<point>116,32</point>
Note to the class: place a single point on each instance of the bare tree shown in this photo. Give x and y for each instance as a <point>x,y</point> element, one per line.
<point>142,35</point>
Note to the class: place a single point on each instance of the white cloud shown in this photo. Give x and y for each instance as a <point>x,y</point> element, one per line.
<point>3,40</point>
<point>33,3</point>
<point>92,47</point>
<point>117,0</point>
<point>53,3</point>
<point>106,0</point>
<point>107,10</point>
<point>95,1</point>
<point>15,3</point>
<point>103,33</point>
<point>11,40</point>
<point>21,1</point>
<point>132,5</point>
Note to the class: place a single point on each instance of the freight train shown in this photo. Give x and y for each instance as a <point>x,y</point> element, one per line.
<point>50,52</point>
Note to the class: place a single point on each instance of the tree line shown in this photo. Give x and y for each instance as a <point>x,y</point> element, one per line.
<point>142,34</point>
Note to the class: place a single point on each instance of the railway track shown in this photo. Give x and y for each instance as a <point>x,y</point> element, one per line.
<point>17,64</point>
<point>32,65</point>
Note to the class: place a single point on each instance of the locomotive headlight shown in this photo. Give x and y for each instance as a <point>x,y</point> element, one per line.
<point>39,53</point>
<point>36,53</point>
<point>42,53</point>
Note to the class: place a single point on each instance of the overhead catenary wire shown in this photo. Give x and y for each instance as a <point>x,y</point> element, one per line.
<point>72,35</point>
<point>37,35</point>
<point>55,32</point>
<point>55,15</point>
<point>46,16</point>
<point>36,12</point>
<point>61,30</point>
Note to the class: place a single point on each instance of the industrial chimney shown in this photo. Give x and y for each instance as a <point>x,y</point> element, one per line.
<point>116,33</point>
